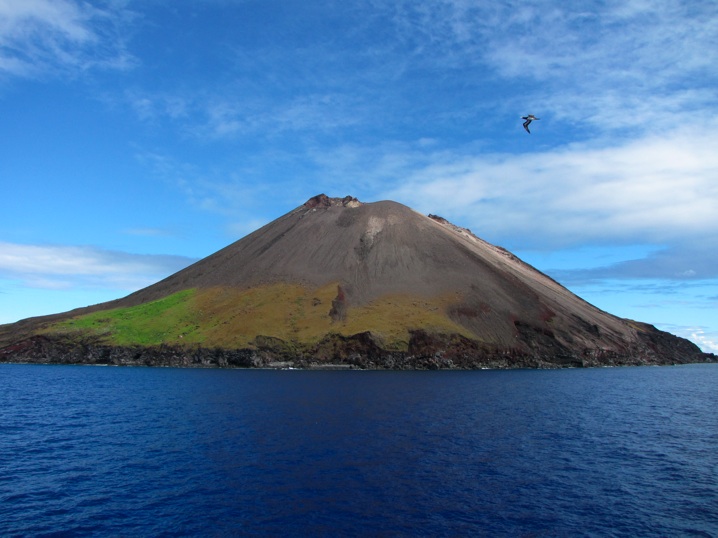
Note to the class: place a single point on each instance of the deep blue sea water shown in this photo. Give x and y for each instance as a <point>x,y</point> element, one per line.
<point>184,452</point>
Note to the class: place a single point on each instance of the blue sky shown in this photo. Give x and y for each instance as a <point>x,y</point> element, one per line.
<point>140,136</point>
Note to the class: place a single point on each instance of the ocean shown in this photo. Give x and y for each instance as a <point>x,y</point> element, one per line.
<point>130,451</point>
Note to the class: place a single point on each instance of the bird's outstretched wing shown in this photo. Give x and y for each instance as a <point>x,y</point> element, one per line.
<point>528,119</point>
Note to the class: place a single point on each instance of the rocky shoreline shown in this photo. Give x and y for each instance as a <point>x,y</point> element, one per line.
<point>360,351</point>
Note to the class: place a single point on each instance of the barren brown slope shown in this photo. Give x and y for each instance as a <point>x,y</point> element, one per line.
<point>375,249</point>
<point>381,256</point>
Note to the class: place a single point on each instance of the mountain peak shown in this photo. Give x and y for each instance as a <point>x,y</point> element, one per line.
<point>362,284</point>
<point>322,200</point>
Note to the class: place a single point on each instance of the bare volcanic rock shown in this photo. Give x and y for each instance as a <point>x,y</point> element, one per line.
<point>344,283</point>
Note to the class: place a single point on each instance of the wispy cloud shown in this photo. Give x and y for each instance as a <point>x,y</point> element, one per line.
<point>598,39</point>
<point>598,69</point>
<point>703,337</point>
<point>229,112</point>
<point>319,112</point>
<point>614,65</point>
<point>64,267</point>
<point>149,232</point>
<point>239,195</point>
<point>654,189</point>
<point>157,105</point>
<point>683,262</point>
<point>38,37</point>
<point>708,341</point>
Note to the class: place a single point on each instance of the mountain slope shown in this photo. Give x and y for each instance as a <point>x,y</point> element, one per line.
<point>374,285</point>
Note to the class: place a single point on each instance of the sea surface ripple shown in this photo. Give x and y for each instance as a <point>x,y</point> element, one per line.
<point>92,451</point>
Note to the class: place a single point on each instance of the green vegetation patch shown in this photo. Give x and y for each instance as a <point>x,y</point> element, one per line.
<point>171,319</point>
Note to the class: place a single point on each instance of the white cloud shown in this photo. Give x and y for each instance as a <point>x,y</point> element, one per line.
<point>40,36</point>
<point>706,341</point>
<point>23,17</point>
<point>703,337</point>
<point>653,189</point>
<point>63,267</point>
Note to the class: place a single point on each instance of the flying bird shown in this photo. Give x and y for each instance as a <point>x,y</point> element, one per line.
<point>529,119</point>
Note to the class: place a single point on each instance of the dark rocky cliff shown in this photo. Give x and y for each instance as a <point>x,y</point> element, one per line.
<point>361,351</point>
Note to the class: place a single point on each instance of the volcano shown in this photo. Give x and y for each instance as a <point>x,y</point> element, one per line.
<point>341,283</point>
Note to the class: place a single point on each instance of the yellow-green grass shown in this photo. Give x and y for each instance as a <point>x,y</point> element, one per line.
<point>392,317</point>
<point>233,318</point>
